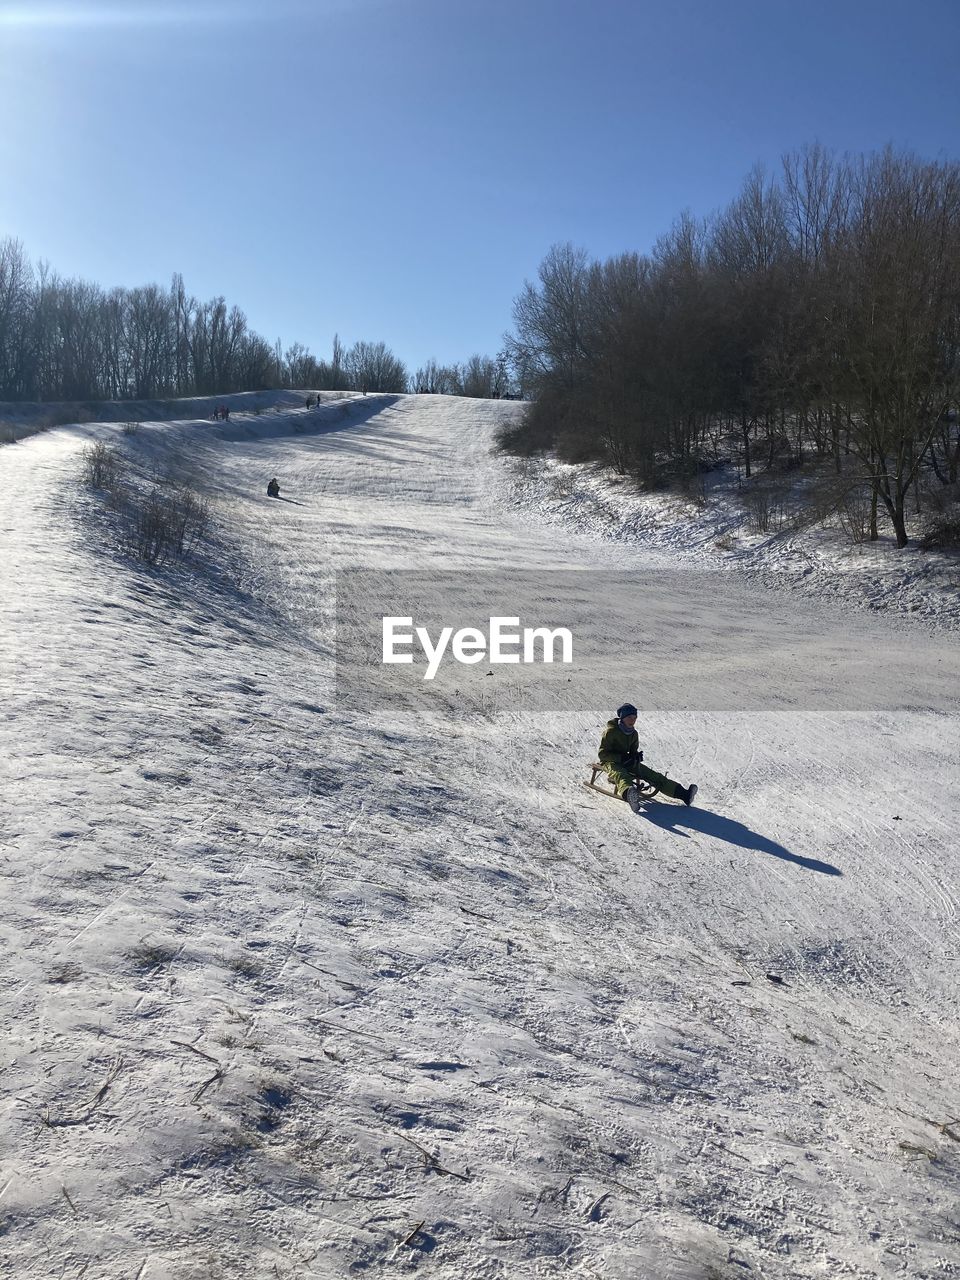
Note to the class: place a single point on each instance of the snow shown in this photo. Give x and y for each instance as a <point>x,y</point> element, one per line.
<point>312,973</point>
<point>716,535</point>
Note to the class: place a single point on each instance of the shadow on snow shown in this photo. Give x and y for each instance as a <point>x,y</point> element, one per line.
<point>670,818</point>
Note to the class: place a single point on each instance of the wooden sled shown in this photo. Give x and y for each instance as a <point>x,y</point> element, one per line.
<point>645,790</point>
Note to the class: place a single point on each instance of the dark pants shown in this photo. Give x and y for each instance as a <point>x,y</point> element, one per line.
<point>623,779</point>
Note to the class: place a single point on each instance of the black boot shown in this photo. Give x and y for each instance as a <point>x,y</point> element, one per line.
<point>686,794</point>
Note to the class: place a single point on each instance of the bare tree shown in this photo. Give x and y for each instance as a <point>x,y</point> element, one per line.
<point>438,379</point>
<point>68,339</point>
<point>16,285</point>
<point>547,341</point>
<point>371,366</point>
<point>301,368</point>
<point>899,318</point>
<point>818,312</point>
<point>482,378</point>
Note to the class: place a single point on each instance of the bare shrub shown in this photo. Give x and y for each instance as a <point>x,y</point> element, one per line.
<point>854,513</point>
<point>189,518</point>
<point>942,531</point>
<point>147,956</point>
<point>765,508</point>
<point>533,433</point>
<point>166,524</point>
<point>844,500</point>
<point>692,481</point>
<point>562,485</point>
<point>151,532</point>
<point>100,466</point>
<point>244,965</point>
<point>130,428</point>
<point>940,498</point>
<point>155,519</point>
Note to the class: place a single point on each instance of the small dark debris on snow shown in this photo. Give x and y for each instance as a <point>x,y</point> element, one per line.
<point>593,1213</point>
<point>274,1100</point>
<point>420,1239</point>
<point>912,1149</point>
<point>148,956</point>
<point>64,972</point>
<point>734,1261</point>
<point>468,912</point>
<point>775,977</point>
<point>276,1096</point>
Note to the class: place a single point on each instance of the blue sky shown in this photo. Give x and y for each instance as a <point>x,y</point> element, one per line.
<point>395,169</point>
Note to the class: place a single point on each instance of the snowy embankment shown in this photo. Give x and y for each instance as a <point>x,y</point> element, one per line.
<point>305,980</point>
<point>715,535</point>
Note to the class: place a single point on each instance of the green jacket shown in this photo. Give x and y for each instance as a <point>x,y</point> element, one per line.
<point>619,748</point>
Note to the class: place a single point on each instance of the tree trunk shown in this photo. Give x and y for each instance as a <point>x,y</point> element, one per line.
<point>894,504</point>
<point>746,444</point>
<point>899,522</point>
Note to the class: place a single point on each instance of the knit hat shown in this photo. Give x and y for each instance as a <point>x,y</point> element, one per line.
<point>628,709</point>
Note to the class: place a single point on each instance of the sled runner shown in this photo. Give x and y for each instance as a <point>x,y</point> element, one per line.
<point>645,790</point>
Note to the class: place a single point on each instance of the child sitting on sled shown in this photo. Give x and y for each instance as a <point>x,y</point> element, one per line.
<point>622,761</point>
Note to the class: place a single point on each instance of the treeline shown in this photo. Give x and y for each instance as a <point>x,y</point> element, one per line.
<point>480,376</point>
<point>817,318</point>
<point>366,366</point>
<point>372,366</point>
<point>72,340</point>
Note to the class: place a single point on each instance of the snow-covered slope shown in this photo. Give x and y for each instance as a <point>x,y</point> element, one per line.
<point>816,561</point>
<point>308,977</point>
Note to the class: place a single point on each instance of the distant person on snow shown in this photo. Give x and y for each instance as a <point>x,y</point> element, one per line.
<point>273,488</point>
<point>622,761</point>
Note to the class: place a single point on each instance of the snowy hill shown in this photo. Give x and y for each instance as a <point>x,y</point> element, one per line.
<point>313,973</point>
<point>818,562</point>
